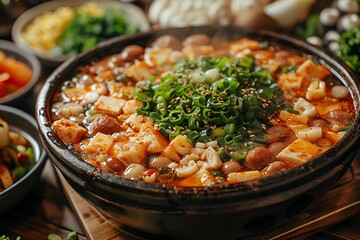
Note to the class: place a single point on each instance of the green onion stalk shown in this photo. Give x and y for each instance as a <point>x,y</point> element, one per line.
<point>230,100</point>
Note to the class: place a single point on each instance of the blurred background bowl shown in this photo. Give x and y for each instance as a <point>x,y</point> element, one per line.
<point>134,15</point>
<point>14,52</point>
<point>24,124</point>
<point>10,10</point>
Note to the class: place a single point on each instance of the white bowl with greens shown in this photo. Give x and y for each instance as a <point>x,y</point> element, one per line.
<point>57,30</point>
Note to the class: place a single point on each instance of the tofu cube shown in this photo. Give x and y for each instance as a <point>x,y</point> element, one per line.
<point>203,177</point>
<point>100,143</point>
<point>157,57</point>
<point>272,66</point>
<point>296,126</point>
<point>311,134</point>
<point>133,152</point>
<point>139,71</point>
<point>299,152</point>
<point>236,177</point>
<point>155,140</point>
<point>109,105</point>
<point>305,108</point>
<point>75,94</point>
<point>68,131</point>
<point>193,51</point>
<point>316,90</point>
<point>291,118</point>
<point>310,70</point>
<point>333,136</point>
<point>291,81</point>
<point>242,44</point>
<point>170,152</point>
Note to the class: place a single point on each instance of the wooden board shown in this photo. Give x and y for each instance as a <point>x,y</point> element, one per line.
<point>339,204</point>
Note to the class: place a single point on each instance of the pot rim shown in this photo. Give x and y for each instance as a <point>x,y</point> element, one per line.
<point>309,170</point>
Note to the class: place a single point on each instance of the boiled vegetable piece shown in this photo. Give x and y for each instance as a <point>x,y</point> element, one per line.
<point>299,152</point>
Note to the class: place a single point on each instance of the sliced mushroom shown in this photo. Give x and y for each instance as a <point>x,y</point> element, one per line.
<point>212,157</point>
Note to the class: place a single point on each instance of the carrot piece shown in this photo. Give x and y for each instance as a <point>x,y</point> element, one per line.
<point>20,73</point>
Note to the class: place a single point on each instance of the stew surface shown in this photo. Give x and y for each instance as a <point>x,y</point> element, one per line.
<point>200,113</point>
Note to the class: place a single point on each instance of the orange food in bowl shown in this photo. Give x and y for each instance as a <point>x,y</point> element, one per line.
<point>14,74</point>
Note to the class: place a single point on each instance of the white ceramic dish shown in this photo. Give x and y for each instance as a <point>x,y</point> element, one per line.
<point>135,15</point>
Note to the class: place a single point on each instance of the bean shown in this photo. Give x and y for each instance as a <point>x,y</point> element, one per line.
<point>197,39</point>
<point>270,138</point>
<point>282,132</point>
<point>87,80</point>
<point>158,162</point>
<point>134,171</point>
<point>276,147</point>
<point>273,167</point>
<point>168,41</point>
<point>115,164</point>
<point>339,92</point>
<point>318,122</point>
<point>258,158</point>
<point>339,116</point>
<point>104,124</point>
<point>230,166</point>
<point>116,61</point>
<point>132,52</point>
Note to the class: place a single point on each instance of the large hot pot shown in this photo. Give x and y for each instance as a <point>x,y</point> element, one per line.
<point>237,210</point>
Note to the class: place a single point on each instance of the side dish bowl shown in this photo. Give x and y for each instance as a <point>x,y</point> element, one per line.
<point>133,14</point>
<point>25,125</point>
<point>223,212</point>
<point>12,51</point>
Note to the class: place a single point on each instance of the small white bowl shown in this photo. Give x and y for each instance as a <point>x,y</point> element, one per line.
<point>134,14</point>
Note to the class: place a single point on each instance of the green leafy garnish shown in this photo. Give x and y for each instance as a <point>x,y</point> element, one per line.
<point>212,98</point>
<point>86,30</point>
<point>309,28</point>
<point>349,48</point>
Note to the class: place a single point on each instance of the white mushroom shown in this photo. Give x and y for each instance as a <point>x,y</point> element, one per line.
<point>134,171</point>
<point>339,92</point>
<point>329,16</point>
<point>212,157</point>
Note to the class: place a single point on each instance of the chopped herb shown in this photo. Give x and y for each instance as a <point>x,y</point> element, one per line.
<point>309,28</point>
<point>86,30</point>
<point>349,48</point>
<point>243,96</point>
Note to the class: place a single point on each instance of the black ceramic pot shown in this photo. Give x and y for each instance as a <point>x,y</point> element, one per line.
<point>238,210</point>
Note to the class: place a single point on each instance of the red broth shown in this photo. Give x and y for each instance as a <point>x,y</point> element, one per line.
<point>14,74</point>
<point>194,113</point>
